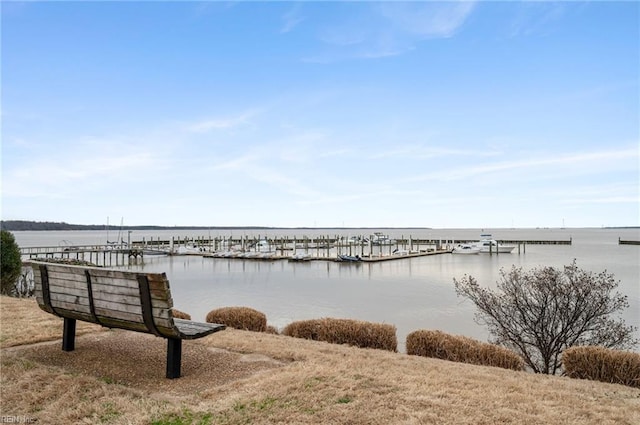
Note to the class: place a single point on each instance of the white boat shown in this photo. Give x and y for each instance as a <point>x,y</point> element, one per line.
<point>264,246</point>
<point>349,258</point>
<point>189,249</point>
<point>300,256</point>
<point>466,249</point>
<point>489,245</point>
<point>381,239</point>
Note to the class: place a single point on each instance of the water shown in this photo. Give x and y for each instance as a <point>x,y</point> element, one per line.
<point>411,294</point>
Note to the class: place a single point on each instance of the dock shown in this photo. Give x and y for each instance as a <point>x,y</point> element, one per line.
<point>629,242</point>
<point>317,248</point>
<point>104,255</point>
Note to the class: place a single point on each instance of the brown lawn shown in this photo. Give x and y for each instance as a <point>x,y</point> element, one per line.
<point>241,377</point>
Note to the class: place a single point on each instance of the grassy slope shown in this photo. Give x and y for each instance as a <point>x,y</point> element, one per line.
<point>315,383</point>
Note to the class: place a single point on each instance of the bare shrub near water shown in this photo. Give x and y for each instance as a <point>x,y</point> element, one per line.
<point>177,314</point>
<point>345,331</point>
<point>244,318</point>
<point>541,312</point>
<point>455,348</point>
<point>602,364</point>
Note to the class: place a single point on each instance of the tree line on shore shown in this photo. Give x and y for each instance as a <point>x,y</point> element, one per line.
<point>25,225</point>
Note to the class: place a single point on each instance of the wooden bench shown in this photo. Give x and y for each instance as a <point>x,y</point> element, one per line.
<point>134,301</point>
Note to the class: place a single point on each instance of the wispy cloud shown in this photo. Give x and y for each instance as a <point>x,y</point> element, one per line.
<point>292,18</point>
<point>593,161</point>
<point>389,29</point>
<point>220,123</point>
<point>426,152</point>
<point>67,173</point>
<point>427,19</point>
<point>611,193</point>
<point>536,18</point>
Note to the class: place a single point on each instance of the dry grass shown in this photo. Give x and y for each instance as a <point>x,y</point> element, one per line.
<point>455,348</point>
<point>300,381</point>
<point>244,318</point>
<point>345,331</point>
<point>33,327</point>
<point>601,364</point>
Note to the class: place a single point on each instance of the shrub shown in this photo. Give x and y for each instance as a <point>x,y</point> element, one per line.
<point>602,364</point>
<point>272,330</point>
<point>177,314</point>
<point>454,348</point>
<point>10,263</point>
<point>345,331</point>
<point>244,318</point>
<point>541,312</point>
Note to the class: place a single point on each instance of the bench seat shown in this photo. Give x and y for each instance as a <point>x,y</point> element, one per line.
<point>134,301</point>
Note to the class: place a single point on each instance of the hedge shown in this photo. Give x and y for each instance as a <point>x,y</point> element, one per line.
<point>602,364</point>
<point>437,344</point>
<point>244,318</point>
<point>345,331</point>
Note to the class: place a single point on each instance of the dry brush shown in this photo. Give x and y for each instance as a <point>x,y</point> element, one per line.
<point>602,364</point>
<point>244,318</point>
<point>440,345</point>
<point>345,331</point>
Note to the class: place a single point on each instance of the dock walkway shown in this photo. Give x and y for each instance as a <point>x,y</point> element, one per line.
<point>326,248</point>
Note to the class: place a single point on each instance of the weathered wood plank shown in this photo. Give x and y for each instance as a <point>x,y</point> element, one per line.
<point>123,275</point>
<point>116,298</point>
<point>116,283</point>
<point>161,304</point>
<point>105,288</point>
<point>41,304</point>
<point>159,312</point>
<point>108,305</point>
<point>56,304</point>
<point>193,330</point>
<point>159,316</point>
<point>59,289</point>
<point>111,322</point>
<point>158,288</point>
<point>75,315</point>
<point>70,299</point>
<point>76,284</point>
<point>36,274</point>
<point>104,313</point>
<point>64,274</point>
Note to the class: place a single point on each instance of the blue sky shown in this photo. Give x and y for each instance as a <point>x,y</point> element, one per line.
<point>424,114</point>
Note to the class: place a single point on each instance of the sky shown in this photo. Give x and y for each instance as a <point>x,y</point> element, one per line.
<point>322,114</point>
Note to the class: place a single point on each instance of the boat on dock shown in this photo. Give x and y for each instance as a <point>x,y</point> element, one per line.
<point>349,258</point>
<point>489,245</point>
<point>300,256</point>
<point>381,239</point>
<point>466,249</point>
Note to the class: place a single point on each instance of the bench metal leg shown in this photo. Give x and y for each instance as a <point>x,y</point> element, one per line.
<point>69,335</point>
<point>174,357</point>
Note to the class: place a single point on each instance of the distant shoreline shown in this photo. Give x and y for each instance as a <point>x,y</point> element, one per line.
<point>26,225</point>
<point>20,225</point>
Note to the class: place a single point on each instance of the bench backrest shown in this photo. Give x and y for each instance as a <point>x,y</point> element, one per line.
<point>112,298</point>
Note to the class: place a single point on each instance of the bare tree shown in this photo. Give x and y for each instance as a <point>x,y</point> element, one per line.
<point>542,312</point>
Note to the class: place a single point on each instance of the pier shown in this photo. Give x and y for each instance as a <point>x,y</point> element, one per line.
<point>622,242</point>
<point>370,248</point>
<point>104,255</point>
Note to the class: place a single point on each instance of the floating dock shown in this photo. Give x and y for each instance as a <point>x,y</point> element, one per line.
<point>325,248</point>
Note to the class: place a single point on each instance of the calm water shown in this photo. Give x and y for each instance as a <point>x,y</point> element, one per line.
<point>411,294</point>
